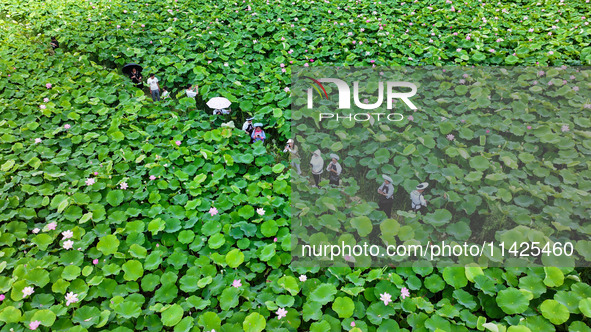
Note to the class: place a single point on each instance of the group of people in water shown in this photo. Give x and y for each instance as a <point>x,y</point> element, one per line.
<point>156,91</point>
<point>334,169</point>
<point>254,130</point>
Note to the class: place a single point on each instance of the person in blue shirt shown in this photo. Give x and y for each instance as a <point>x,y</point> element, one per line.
<point>258,134</point>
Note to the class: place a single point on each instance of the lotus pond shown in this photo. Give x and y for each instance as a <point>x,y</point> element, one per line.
<point>121,214</point>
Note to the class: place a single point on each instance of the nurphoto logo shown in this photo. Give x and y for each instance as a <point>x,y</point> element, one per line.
<point>344,100</point>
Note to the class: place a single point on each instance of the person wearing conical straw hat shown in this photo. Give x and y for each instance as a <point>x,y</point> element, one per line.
<point>334,170</point>
<point>317,165</point>
<point>386,191</point>
<point>417,199</point>
<point>294,156</point>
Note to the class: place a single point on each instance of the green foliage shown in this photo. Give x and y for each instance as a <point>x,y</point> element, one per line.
<point>150,256</point>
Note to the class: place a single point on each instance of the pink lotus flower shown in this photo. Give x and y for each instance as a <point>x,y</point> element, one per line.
<point>90,181</point>
<point>28,291</point>
<point>303,278</point>
<point>213,211</point>
<point>565,128</point>
<point>35,230</point>
<point>404,293</point>
<point>528,127</point>
<point>46,100</point>
<point>68,244</point>
<point>95,261</point>
<point>387,298</point>
<point>178,143</point>
<point>152,177</point>
<point>37,140</point>
<point>48,85</point>
<point>236,283</point>
<point>462,121</point>
<point>487,131</point>
<point>275,240</point>
<point>71,298</point>
<point>51,226</point>
<point>67,234</point>
<point>410,118</point>
<point>260,211</point>
<point>42,106</point>
<point>67,126</point>
<point>123,185</point>
<point>34,324</point>
<point>286,89</point>
<point>450,137</point>
<point>2,297</point>
<point>281,313</point>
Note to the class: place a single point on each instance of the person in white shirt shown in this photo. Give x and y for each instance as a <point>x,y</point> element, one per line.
<point>386,191</point>
<point>294,156</point>
<point>334,170</point>
<point>192,90</point>
<point>165,93</point>
<point>248,127</point>
<point>317,165</point>
<point>154,87</point>
<point>417,199</point>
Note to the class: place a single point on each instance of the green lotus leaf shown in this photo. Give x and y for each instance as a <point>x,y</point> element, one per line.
<point>512,301</point>
<point>343,306</point>
<point>254,322</point>
<point>108,245</point>
<point>555,312</point>
<point>323,294</point>
<point>172,315</point>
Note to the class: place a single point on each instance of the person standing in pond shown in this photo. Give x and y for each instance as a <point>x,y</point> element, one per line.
<point>54,44</point>
<point>317,165</point>
<point>334,170</point>
<point>386,191</point>
<point>418,201</point>
<point>165,93</point>
<point>294,156</point>
<point>154,87</point>
<point>248,127</point>
<point>258,134</point>
<point>192,91</point>
<point>136,77</point>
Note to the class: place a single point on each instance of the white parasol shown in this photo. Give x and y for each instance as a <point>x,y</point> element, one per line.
<point>219,103</point>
